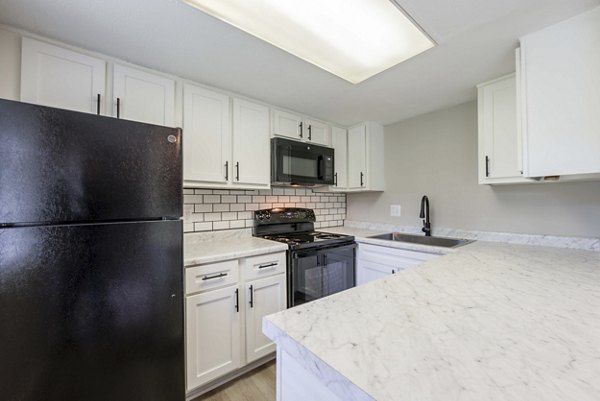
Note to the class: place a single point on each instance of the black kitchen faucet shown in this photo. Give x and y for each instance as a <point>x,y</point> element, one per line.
<point>425,216</point>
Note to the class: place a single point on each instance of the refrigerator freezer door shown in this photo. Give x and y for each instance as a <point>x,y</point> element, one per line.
<point>92,312</point>
<point>64,166</point>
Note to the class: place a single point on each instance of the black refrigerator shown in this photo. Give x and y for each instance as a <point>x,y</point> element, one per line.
<point>91,259</point>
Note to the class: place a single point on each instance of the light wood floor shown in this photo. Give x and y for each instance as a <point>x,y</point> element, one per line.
<point>257,385</point>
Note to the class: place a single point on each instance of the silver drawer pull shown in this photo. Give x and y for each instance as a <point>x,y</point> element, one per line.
<point>213,277</point>
<point>268,265</point>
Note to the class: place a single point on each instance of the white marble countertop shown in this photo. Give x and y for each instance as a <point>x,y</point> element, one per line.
<point>490,321</point>
<point>214,247</point>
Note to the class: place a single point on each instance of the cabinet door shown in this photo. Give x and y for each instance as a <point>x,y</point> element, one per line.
<point>499,134</point>
<point>143,96</point>
<point>357,162</point>
<point>212,335</point>
<point>370,271</point>
<point>264,297</point>
<point>57,77</point>
<point>317,132</point>
<point>206,136</point>
<point>288,125</point>
<point>339,141</point>
<point>251,144</point>
<point>561,97</point>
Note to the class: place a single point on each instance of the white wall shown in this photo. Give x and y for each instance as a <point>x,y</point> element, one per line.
<point>436,155</point>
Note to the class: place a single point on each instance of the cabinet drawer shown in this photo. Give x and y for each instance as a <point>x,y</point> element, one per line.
<point>214,275</point>
<point>394,257</point>
<point>263,265</point>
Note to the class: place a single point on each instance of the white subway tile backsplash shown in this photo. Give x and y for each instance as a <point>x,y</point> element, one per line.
<point>228,199</point>
<point>229,216</point>
<point>219,209</point>
<point>203,226</point>
<point>212,216</point>
<point>237,207</point>
<point>191,199</point>
<point>201,208</point>
<point>212,198</point>
<point>203,191</point>
<point>221,225</point>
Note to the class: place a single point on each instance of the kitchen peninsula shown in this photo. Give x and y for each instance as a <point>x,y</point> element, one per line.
<point>489,321</point>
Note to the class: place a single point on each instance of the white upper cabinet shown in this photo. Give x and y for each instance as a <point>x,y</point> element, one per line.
<point>206,137</point>
<point>287,124</point>
<point>300,128</point>
<point>357,156</point>
<point>561,97</point>
<point>339,142</point>
<point>224,146</point>
<point>317,132</point>
<point>251,144</point>
<point>499,139</point>
<point>366,171</point>
<point>57,77</point>
<point>142,96</point>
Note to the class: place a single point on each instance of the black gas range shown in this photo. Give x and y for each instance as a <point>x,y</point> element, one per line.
<point>318,263</point>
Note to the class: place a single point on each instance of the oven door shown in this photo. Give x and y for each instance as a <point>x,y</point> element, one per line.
<point>316,273</point>
<point>301,163</point>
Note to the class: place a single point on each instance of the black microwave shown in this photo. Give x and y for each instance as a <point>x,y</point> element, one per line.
<point>300,163</point>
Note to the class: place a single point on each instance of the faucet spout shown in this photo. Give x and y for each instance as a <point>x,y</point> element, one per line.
<point>425,216</point>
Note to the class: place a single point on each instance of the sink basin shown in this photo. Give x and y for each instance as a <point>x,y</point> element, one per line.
<point>423,240</point>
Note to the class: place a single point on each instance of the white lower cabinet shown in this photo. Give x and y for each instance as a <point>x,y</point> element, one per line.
<point>264,297</point>
<point>213,335</point>
<point>374,262</point>
<point>225,304</point>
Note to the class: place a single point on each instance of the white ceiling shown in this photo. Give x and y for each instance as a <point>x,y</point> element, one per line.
<point>476,42</point>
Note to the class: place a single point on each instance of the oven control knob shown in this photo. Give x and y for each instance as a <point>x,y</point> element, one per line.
<point>261,216</point>
<point>268,215</point>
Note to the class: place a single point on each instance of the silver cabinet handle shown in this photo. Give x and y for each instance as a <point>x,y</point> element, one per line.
<point>220,275</point>
<point>227,171</point>
<point>237,300</point>
<point>268,265</point>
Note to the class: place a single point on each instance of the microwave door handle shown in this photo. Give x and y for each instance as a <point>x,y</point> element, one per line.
<point>320,167</point>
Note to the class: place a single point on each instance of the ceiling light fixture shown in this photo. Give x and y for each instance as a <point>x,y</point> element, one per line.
<point>353,39</point>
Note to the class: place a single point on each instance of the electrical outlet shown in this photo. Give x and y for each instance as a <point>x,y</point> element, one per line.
<point>395,210</point>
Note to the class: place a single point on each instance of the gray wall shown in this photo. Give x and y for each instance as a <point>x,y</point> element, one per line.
<point>436,154</point>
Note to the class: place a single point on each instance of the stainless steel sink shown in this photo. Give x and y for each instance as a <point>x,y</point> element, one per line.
<point>423,240</point>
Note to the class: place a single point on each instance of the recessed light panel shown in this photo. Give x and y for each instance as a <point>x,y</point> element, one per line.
<point>353,39</point>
